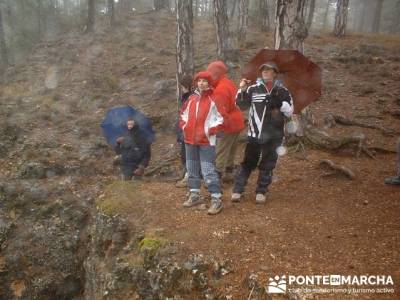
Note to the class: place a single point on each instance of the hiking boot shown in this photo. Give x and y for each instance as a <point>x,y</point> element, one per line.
<point>393,180</point>
<point>193,200</point>
<point>235,197</point>
<point>216,206</point>
<point>183,182</point>
<point>260,198</point>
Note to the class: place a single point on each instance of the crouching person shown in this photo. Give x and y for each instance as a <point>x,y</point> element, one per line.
<point>200,120</point>
<point>135,151</point>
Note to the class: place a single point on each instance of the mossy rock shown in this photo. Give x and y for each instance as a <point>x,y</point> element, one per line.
<point>150,245</point>
<point>122,197</point>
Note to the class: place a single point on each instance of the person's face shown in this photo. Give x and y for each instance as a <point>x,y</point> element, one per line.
<point>130,124</point>
<point>267,74</point>
<point>202,84</point>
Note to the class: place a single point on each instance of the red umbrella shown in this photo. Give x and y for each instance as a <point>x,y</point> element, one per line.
<point>300,75</point>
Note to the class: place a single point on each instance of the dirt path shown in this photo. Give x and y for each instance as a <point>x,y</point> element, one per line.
<point>309,225</point>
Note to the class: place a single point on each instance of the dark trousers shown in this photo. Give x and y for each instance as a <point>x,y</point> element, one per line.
<point>183,154</point>
<point>262,155</point>
<point>127,169</point>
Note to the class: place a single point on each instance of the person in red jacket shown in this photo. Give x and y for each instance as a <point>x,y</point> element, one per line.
<point>224,95</point>
<point>200,121</point>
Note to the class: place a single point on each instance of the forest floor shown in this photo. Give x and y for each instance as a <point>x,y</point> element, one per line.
<point>311,224</point>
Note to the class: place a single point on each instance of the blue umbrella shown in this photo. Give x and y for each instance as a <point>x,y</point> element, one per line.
<point>114,124</point>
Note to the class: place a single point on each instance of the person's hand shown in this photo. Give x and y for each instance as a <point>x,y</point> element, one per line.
<point>276,103</point>
<point>117,160</point>
<point>244,83</point>
<point>139,171</point>
<point>120,140</point>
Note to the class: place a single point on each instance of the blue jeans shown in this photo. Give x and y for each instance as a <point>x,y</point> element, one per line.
<point>202,159</point>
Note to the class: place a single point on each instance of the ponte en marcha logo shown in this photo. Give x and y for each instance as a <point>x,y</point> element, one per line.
<point>331,284</point>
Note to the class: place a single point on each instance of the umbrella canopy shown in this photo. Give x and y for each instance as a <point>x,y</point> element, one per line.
<point>299,74</point>
<point>114,124</point>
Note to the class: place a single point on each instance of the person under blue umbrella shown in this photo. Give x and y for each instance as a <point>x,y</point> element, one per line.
<point>135,151</point>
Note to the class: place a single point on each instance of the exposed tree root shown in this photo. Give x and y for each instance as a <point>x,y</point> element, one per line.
<point>337,169</point>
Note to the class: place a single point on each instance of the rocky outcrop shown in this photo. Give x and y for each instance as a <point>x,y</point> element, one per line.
<point>41,243</point>
<point>124,262</point>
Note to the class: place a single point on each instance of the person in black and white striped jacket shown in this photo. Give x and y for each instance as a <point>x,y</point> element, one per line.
<point>269,102</point>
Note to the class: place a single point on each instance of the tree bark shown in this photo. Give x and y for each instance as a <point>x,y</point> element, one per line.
<point>243,21</point>
<point>40,18</point>
<point>196,8</point>
<point>3,46</point>
<point>161,4</point>
<point>232,14</point>
<point>310,16</point>
<point>184,46</point>
<point>361,21</point>
<point>91,16</point>
<point>111,12</point>
<point>341,18</point>
<point>377,16</point>
<point>264,15</point>
<point>224,45</point>
<point>326,13</point>
<point>396,21</point>
<point>290,30</point>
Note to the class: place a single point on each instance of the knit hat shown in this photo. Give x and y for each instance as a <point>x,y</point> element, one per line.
<point>204,75</point>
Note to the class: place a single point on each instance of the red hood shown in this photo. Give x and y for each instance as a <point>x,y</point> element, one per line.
<point>218,70</point>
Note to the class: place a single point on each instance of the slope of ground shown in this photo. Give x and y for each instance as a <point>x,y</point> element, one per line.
<point>51,108</point>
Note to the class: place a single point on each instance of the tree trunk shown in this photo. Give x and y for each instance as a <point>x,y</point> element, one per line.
<point>377,16</point>
<point>232,14</point>
<point>290,30</point>
<point>224,46</point>
<point>243,20</point>
<point>264,15</point>
<point>91,16</point>
<point>326,14</point>
<point>211,9</point>
<point>196,8</point>
<point>161,4</point>
<point>310,16</point>
<point>40,18</point>
<point>9,14</point>
<point>3,46</point>
<point>290,33</point>
<point>111,12</point>
<point>396,21</point>
<point>184,46</point>
<point>341,18</point>
<point>361,21</point>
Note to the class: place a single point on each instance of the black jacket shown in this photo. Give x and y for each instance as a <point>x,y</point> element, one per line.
<point>134,149</point>
<point>267,110</point>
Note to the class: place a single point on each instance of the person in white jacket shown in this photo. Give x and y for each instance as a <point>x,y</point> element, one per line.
<point>269,102</point>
